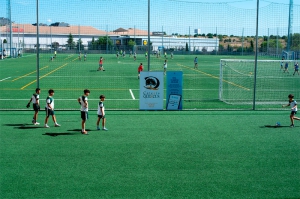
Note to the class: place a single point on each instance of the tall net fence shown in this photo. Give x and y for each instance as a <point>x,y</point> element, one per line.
<point>74,35</point>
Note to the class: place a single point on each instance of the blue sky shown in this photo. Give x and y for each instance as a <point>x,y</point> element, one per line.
<point>172,16</point>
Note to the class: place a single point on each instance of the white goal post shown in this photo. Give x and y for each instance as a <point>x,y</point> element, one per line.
<point>273,81</point>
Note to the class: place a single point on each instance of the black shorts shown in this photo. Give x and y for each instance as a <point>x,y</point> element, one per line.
<point>84,115</point>
<point>49,112</point>
<point>100,116</point>
<point>293,112</point>
<point>36,107</point>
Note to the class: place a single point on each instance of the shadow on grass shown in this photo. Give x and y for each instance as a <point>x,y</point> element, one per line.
<point>274,126</point>
<point>58,134</point>
<point>79,130</point>
<point>24,126</point>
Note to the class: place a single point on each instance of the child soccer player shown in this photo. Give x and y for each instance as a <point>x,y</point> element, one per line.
<point>134,56</point>
<point>83,101</point>
<point>101,64</point>
<point>296,70</point>
<point>79,56</point>
<point>281,64</point>
<point>36,105</point>
<point>140,69</point>
<point>165,67</point>
<point>286,66</point>
<point>50,109</point>
<point>293,104</point>
<point>196,63</point>
<point>84,56</point>
<point>101,113</point>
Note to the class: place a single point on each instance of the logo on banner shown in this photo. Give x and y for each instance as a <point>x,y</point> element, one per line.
<point>151,83</point>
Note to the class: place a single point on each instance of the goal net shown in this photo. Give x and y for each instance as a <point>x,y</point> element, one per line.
<point>272,85</point>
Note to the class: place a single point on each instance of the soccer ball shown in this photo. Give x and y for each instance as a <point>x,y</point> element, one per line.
<point>277,124</point>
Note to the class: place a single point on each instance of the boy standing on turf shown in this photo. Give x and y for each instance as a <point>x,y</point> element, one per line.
<point>50,109</point>
<point>101,64</point>
<point>286,66</point>
<point>293,104</point>
<point>140,69</point>
<point>196,63</point>
<point>83,101</point>
<point>101,113</point>
<point>36,105</point>
<point>165,66</point>
<point>296,70</point>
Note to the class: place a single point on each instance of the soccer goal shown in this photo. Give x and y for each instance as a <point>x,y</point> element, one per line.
<point>272,85</point>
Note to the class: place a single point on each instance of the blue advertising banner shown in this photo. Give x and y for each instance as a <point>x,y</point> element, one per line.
<point>151,90</point>
<point>174,90</point>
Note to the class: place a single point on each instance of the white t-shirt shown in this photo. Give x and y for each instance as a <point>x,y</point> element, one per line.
<point>292,104</point>
<point>101,105</point>
<point>50,100</point>
<point>83,98</point>
<point>34,98</point>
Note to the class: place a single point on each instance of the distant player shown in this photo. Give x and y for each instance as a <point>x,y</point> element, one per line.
<point>130,53</point>
<point>134,56</point>
<point>101,113</point>
<point>84,56</point>
<point>55,54</point>
<point>51,58</point>
<point>165,55</point>
<point>117,55</point>
<point>296,70</point>
<point>124,54</point>
<point>50,109</point>
<point>101,64</point>
<point>36,105</point>
<point>196,63</point>
<point>83,101</point>
<point>293,104</point>
<point>165,66</point>
<point>171,55</point>
<point>286,66</point>
<point>79,56</point>
<point>146,54</point>
<point>140,69</point>
<point>281,64</point>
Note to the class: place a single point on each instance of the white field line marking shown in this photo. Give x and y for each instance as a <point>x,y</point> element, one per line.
<point>4,79</point>
<point>131,94</point>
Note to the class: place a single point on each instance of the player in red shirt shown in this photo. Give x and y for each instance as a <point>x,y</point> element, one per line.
<point>101,64</point>
<point>140,68</point>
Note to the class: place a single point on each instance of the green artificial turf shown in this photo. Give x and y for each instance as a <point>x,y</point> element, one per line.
<point>151,154</point>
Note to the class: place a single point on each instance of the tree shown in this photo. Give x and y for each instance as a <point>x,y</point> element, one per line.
<point>209,35</point>
<point>93,44</point>
<point>4,41</point>
<point>70,42</point>
<point>79,45</point>
<point>295,42</point>
<point>131,43</point>
<point>272,44</point>
<point>102,42</point>
<point>55,45</point>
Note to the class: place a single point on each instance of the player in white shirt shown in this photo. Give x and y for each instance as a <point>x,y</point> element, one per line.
<point>293,104</point>
<point>83,101</point>
<point>101,113</point>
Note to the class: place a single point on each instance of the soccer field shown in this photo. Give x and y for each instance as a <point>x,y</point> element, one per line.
<point>151,154</point>
<point>119,83</point>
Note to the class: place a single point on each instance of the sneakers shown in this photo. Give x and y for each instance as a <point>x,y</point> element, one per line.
<point>98,128</point>
<point>33,121</point>
<point>84,132</point>
<point>46,126</point>
<point>57,125</point>
<point>36,123</point>
<point>105,129</point>
<point>292,125</point>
